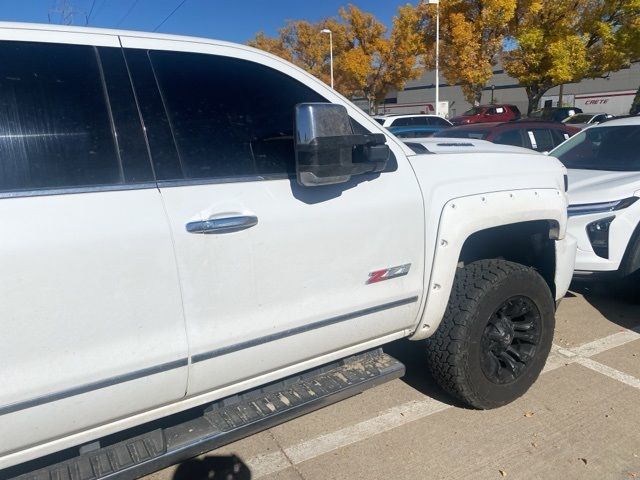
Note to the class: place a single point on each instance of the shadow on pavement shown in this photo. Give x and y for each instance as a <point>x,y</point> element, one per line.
<point>617,300</point>
<point>413,355</point>
<point>214,467</point>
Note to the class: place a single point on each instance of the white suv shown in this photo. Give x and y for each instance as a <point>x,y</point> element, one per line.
<point>603,162</point>
<point>412,120</point>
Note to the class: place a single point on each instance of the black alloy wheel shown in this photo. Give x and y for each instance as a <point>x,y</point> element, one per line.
<point>510,339</point>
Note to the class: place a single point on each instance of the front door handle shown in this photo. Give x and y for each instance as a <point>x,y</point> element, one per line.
<point>222,225</point>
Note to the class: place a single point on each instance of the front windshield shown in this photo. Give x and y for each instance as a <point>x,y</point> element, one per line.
<point>612,148</point>
<point>580,118</point>
<point>473,111</point>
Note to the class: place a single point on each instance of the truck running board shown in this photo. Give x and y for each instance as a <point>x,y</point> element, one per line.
<point>227,420</point>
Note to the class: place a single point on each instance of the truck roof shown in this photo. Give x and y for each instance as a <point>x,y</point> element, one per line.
<point>114,32</point>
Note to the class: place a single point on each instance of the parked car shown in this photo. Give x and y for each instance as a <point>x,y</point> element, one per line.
<point>554,114</point>
<point>412,120</point>
<point>536,135</point>
<point>416,131</point>
<point>583,120</point>
<point>188,259</point>
<point>488,113</point>
<point>603,162</point>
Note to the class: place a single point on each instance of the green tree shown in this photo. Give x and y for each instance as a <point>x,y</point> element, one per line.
<point>563,41</point>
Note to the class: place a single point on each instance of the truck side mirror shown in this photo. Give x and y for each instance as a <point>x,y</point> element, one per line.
<point>328,152</point>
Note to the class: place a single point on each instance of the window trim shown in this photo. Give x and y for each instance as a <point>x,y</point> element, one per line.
<point>112,123</point>
<point>45,192</point>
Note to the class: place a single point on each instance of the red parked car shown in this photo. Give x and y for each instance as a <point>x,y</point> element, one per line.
<point>536,135</point>
<point>487,113</point>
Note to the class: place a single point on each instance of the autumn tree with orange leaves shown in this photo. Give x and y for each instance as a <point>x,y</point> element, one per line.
<point>472,33</point>
<point>368,60</point>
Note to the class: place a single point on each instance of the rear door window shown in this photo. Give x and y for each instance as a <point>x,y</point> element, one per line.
<point>56,127</point>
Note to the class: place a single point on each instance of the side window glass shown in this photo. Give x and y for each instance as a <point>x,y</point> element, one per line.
<point>440,122</point>
<point>558,137</point>
<point>358,129</point>
<point>499,110</point>
<point>509,137</point>
<point>543,140</point>
<point>421,120</point>
<point>402,122</point>
<point>229,117</point>
<point>55,125</point>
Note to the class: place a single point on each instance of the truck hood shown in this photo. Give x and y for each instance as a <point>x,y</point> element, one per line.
<point>596,186</point>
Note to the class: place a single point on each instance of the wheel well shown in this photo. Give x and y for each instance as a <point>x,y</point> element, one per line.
<point>631,259</point>
<point>526,243</point>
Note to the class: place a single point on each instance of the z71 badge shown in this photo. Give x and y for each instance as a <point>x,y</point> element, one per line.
<point>388,273</point>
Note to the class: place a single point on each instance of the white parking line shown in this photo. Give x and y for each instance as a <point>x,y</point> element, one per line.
<point>607,343</point>
<point>388,420</point>
<point>266,464</point>
<point>397,416</point>
<point>610,372</point>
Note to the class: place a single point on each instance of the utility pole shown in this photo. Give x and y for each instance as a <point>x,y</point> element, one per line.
<point>64,13</point>
<point>560,94</point>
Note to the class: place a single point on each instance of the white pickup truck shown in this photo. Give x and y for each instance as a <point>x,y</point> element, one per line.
<point>200,240</point>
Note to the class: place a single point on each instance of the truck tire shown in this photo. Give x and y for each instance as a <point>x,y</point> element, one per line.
<point>496,333</point>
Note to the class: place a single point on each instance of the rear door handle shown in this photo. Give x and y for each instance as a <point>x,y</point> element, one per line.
<point>222,225</point>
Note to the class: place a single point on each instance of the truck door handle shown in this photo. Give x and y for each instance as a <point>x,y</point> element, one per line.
<point>222,225</point>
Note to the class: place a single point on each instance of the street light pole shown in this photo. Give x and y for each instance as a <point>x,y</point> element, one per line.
<point>437,57</point>
<point>437,2</point>
<point>326,30</point>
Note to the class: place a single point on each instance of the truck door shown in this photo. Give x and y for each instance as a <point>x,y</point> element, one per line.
<point>92,326</point>
<point>273,274</point>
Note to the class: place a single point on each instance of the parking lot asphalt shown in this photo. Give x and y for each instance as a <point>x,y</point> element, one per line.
<point>581,420</point>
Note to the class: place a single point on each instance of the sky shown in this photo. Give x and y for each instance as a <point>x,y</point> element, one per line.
<point>231,20</point>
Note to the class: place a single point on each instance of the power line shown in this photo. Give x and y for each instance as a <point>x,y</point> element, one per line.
<point>100,7</point>
<point>133,5</point>
<point>93,4</point>
<point>170,15</point>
